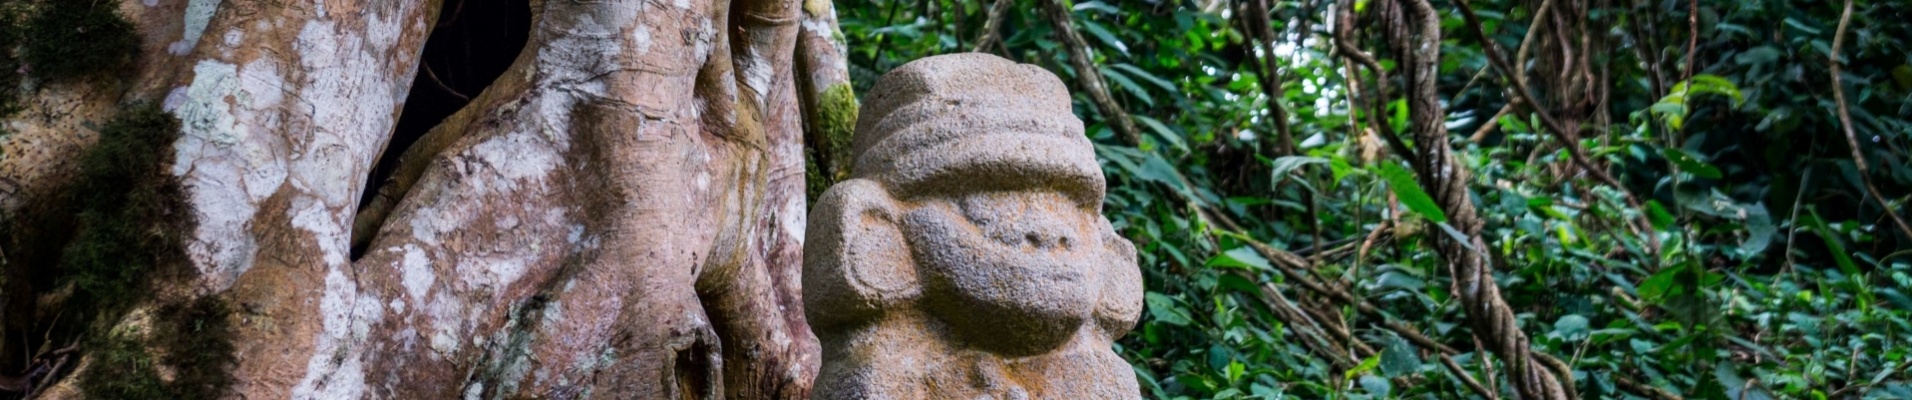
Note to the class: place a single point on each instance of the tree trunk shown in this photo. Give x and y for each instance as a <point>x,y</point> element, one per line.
<point>620,213</point>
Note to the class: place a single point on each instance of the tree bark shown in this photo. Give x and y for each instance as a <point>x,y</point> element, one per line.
<point>620,214</point>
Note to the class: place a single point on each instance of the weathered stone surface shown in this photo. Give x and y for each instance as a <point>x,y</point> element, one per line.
<point>967,255</point>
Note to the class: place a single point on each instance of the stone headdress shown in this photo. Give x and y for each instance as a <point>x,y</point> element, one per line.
<point>974,121</point>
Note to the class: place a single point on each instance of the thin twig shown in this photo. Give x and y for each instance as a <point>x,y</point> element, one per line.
<point>1086,74</point>
<point>1492,124</point>
<point>1629,385</point>
<point>1845,122</point>
<point>1568,138</point>
<point>441,84</point>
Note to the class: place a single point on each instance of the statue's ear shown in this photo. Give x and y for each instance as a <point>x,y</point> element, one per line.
<point>1121,302</point>
<point>855,261</point>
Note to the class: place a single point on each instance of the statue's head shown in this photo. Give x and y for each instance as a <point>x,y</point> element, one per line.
<point>976,201</point>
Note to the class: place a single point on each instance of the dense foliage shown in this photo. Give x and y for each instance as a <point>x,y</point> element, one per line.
<point>1754,264</point>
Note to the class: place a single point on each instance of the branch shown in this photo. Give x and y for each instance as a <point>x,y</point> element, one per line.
<point>1568,138</point>
<point>992,27</point>
<point>1492,124</point>
<point>1087,76</point>
<point>1344,46</point>
<point>1255,21</point>
<point>1636,387</point>
<point>1845,122</point>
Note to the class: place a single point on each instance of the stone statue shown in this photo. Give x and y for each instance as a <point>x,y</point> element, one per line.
<point>967,256</point>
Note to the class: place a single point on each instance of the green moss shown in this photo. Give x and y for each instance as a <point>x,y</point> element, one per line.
<point>130,224</point>
<point>830,160</point>
<point>816,7</point>
<point>837,123</point>
<point>194,339</point>
<point>12,17</point>
<point>131,210</point>
<point>198,342</point>
<point>71,39</point>
<point>121,368</point>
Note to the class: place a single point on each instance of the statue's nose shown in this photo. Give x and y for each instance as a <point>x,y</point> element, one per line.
<point>1049,240</point>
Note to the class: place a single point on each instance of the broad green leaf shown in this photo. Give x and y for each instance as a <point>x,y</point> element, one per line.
<point>1714,84</point>
<point>1105,36</point>
<point>1096,6</point>
<point>1757,55</point>
<point>1281,167</point>
<point>1399,358</point>
<point>1660,285</point>
<point>1797,24</point>
<point>1837,248</point>
<point>1146,76</point>
<point>1398,119</point>
<point>1129,85</point>
<point>1657,214</point>
<point>1240,257</point>
<point>1410,193</point>
<point>1163,131</point>
<point>1365,366</point>
<point>1165,309</point>
<point>1692,165</point>
<point>1238,283</point>
<point>1377,386</point>
<point>1571,327</point>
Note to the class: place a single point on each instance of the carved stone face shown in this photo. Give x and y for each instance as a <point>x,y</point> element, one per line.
<point>967,256</point>
<point>995,262</point>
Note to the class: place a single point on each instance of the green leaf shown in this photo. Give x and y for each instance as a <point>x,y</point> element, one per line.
<point>1128,85</point>
<point>1165,309</point>
<point>1758,55</point>
<point>1163,131</point>
<point>1097,6</point>
<point>1399,358</point>
<point>1714,84</point>
<point>1837,248</point>
<point>1366,365</point>
<point>1105,36</point>
<point>1377,386</point>
<point>1796,24</point>
<point>1410,193</point>
<point>1146,76</point>
<point>1281,167</point>
<point>1398,120</point>
<point>1240,257</point>
<point>1657,214</point>
<point>1571,327</point>
<point>1238,283</point>
<point>1658,286</point>
<point>1692,165</point>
